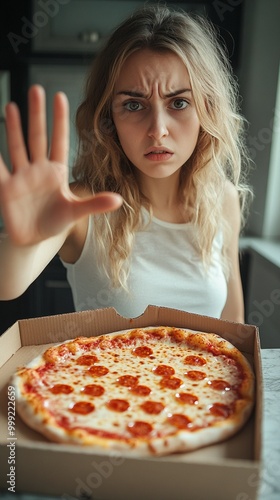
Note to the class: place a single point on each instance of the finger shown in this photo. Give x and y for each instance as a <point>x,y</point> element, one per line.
<point>60,135</point>
<point>37,128</point>
<point>4,174</point>
<point>15,139</point>
<point>100,203</point>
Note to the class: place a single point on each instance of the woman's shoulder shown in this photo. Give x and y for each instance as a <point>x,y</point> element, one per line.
<point>231,207</point>
<point>230,199</point>
<point>230,190</point>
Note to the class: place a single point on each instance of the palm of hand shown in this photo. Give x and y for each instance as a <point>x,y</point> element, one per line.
<point>36,202</point>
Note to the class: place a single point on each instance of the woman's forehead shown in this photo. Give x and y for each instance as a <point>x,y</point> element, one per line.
<point>145,69</point>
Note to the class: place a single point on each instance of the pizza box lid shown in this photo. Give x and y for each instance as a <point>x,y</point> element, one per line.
<point>230,469</point>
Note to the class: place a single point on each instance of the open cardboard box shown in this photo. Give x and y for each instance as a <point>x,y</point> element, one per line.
<point>228,470</point>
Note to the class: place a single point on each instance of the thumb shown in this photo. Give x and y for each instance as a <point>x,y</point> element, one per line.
<point>100,203</point>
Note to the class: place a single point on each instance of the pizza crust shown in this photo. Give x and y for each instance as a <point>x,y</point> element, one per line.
<point>36,410</point>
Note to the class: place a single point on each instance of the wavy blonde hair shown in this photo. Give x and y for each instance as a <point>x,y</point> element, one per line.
<point>220,153</point>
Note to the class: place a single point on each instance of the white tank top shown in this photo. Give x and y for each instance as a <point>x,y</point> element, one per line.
<point>166,270</point>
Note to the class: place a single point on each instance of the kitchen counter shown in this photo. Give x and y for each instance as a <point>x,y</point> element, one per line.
<point>267,248</point>
<point>270,485</point>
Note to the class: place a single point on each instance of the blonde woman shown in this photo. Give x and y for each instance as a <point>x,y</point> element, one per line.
<point>159,197</point>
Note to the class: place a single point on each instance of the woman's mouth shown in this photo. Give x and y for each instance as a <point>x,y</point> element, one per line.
<point>159,155</point>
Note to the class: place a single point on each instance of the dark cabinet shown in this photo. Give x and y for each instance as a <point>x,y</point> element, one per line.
<point>82,26</point>
<point>263,298</point>
<point>79,27</point>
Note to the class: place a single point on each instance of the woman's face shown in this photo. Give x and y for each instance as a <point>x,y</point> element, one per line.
<point>154,113</point>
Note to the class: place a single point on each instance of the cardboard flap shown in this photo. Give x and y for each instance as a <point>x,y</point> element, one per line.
<point>98,322</point>
<point>10,343</point>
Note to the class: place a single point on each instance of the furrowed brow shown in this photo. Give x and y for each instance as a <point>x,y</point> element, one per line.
<point>132,93</point>
<point>177,92</point>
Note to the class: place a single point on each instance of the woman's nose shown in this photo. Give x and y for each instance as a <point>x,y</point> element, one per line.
<point>158,125</point>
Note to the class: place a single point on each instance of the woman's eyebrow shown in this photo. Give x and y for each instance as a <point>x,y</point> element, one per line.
<point>177,92</point>
<point>132,93</point>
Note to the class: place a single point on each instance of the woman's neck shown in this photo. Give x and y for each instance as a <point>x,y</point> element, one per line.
<point>163,195</point>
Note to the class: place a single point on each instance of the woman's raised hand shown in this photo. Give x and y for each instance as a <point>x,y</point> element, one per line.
<point>35,199</point>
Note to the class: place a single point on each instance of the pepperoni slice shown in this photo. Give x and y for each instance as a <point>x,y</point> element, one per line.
<point>219,385</point>
<point>128,380</point>
<point>220,410</point>
<point>195,360</point>
<point>170,382</point>
<point>93,390</point>
<point>82,407</point>
<point>152,407</point>
<point>180,421</point>
<point>195,375</point>
<point>87,360</point>
<point>141,390</point>
<point>187,398</point>
<point>140,428</point>
<point>98,370</point>
<point>142,351</point>
<point>61,389</point>
<point>164,370</point>
<point>118,405</point>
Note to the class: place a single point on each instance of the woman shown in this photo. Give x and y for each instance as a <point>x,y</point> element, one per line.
<point>155,211</point>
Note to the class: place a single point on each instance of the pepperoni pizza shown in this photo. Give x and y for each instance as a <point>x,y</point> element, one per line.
<point>146,391</point>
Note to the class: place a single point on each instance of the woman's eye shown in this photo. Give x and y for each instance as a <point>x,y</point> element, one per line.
<point>133,106</point>
<point>179,104</point>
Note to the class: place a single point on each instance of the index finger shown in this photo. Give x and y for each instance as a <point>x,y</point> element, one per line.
<point>60,135</point>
